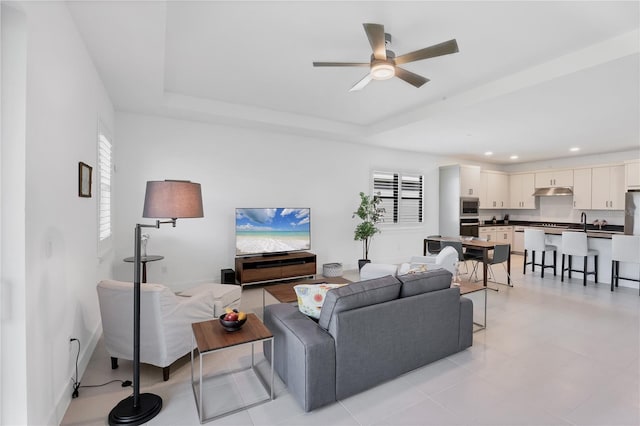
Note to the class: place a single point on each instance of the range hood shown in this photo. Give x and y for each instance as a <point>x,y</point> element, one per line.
<point>553,191</point>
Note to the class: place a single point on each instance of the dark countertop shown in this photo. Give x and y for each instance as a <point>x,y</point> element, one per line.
<point>556,228</point>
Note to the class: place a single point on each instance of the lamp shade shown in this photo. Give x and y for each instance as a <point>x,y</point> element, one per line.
<point>172,199</point>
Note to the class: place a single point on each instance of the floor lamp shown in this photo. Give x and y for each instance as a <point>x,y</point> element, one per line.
<point>172,199</point>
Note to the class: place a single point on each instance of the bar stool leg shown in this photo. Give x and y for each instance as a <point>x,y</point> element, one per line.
<point>595,264</point>
<point>562,269</point>
<point>570,265</point>
<point>524,264</point>
<point>584,273</point>
<point>542,267</point>
<point>555,254</point>
<point>613,269</point>
<point>533,261</point>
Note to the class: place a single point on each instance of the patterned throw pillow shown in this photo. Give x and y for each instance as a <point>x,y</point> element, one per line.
<point>417,268</point>
<point>311,297</point>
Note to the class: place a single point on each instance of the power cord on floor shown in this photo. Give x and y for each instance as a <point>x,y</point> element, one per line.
<point>76,383</point>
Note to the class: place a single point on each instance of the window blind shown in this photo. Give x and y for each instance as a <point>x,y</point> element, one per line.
<point>401,195</point>
<point>104,204</point>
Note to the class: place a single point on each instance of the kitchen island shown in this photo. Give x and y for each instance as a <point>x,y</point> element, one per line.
<point>598,240</point>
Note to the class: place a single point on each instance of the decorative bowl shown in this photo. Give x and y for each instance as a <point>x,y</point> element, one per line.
<point>231,325</point>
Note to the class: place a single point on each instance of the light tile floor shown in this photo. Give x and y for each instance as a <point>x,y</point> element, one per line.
<point>553,354</point>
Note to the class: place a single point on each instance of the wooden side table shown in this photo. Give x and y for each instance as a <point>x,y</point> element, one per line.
<point>144,260</point>
<point>209,338</point>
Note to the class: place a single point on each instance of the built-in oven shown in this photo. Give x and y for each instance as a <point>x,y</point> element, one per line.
<point>469,227</point>
<point>469,206</point>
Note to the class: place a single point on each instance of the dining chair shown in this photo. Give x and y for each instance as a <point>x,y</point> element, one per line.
<point>433,247</point>
<point>475,255</point>
<point>501,253</point>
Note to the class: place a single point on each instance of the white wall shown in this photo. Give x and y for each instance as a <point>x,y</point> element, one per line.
<point>64,99</point>
<point>246,168</point>
<point>13,350</point>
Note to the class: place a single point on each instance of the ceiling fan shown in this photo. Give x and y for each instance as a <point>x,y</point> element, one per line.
<point>384,62</point>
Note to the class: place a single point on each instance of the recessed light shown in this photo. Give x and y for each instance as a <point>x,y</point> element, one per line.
<point>488,153</point>
<point>574,149</point>
<point>514,157</point>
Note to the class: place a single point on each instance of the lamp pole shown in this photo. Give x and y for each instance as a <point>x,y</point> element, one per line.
<point>163,199</point>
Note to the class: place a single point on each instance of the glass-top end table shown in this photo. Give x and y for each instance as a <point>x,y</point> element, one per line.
<point>210,337</point>
<point>468,287</point>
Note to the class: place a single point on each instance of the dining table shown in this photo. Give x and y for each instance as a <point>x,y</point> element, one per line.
<point>468,242</point>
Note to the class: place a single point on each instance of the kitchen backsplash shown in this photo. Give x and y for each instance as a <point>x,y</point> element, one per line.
<point>555,209</point>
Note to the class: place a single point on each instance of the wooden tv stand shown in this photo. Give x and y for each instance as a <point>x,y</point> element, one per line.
<point>253,269</point>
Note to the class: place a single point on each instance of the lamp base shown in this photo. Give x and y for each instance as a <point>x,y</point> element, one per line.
<point>125,413</point>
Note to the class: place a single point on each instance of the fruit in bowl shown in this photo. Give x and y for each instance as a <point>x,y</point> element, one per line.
<point>233,319</point>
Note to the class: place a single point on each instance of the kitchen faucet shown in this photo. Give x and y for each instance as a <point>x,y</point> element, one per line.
<point>583,220</point>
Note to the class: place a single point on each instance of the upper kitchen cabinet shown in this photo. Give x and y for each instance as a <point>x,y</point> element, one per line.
<point>521,191</point>
<point>554,178</point>
<point>494,190</point>
<point>469,181</point>
<point>632,171</point>
<point>607,188</point>
<point>582,189</point>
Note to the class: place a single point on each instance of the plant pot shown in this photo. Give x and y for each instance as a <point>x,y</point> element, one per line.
<point>362,262</point>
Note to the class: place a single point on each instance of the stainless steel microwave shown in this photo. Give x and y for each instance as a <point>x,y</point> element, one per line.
<point>469,206</point>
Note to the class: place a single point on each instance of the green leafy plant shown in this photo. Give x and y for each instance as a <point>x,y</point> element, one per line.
<point>371,214</point>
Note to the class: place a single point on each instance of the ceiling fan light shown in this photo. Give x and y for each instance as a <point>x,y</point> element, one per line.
<point>382,71</point>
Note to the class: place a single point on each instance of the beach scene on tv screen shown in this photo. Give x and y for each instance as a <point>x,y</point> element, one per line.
<point>272,230</point>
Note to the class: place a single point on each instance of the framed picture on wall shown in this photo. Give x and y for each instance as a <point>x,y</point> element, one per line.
<point>84,180</point>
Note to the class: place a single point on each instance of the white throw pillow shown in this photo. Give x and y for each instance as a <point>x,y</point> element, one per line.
<point>311,297</point>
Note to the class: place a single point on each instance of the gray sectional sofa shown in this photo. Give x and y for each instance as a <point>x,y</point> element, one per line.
<point>368,332</point>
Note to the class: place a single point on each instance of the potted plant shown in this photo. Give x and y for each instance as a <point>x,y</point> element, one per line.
<point>370,213</point>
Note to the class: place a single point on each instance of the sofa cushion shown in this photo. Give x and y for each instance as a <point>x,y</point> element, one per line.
<point>424,282</point>
<point>357,295</point>
<point>311,297</point>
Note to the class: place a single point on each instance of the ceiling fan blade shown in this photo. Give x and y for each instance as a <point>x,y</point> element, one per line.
<point>375,34</point>
<point>411,78</point>
<point>444,48</point>
<point>341,64</point>
<point>360,85</point>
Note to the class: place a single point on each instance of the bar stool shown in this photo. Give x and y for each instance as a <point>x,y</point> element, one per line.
<point>575,244</point>
<point>533,242</point>
<point>624,248</point>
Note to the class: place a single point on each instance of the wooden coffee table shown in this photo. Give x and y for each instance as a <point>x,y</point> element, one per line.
<point>210,337</point>
<point>284,293</point>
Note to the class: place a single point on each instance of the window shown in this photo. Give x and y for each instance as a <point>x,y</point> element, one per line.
<point>401,194</point>
<point>105,167</point>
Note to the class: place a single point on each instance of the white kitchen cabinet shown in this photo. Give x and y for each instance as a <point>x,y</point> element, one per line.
<point>494,190</point>
<point>487,232</point>
<point>521,188</point>
<point>469,181</point>
<point>632,172</point>
<point>554,178</point>
<point>483,193</point>
<point>504,234</point>
<point>497,234</point>
<point>582,189</point>
<point>607,188</point>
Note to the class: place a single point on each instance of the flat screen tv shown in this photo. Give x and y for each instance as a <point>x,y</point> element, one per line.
<point>274,230</point>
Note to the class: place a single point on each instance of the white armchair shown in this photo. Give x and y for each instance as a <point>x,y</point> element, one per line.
<point>447,259</point>
<point>165,319</point>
